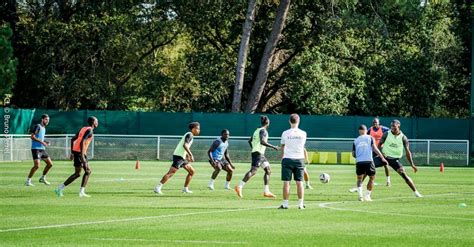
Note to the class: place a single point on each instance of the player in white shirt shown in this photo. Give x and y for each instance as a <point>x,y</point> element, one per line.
<point>294,155</point>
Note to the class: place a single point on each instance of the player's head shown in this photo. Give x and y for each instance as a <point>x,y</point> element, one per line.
<point>195,128</point>
<point>44,119</point>
<point>225,134</point>
<point>294,119</point>
<point>395,126</point>
<point>362,129</point>
<point>376,122</point>
<point>264,121</point>
<point>93,122</point>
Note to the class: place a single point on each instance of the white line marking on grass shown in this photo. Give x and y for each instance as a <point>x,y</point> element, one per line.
<point>328,206</point>
<point>129,219</point>
<point>169,241</point>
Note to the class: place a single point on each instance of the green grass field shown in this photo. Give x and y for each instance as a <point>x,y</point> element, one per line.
<point>123,209</point>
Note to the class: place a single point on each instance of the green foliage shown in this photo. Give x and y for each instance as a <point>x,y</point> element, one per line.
<point>8,62</point>
<point>339,57</point>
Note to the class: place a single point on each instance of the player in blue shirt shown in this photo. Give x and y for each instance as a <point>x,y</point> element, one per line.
<point>219,159</point>
<point>38,151</point>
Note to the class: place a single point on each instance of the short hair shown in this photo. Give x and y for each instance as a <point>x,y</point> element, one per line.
<point>193,125</point>
<point>362,127</point>
<point>294,118</point>
<point>224,130</point>
<point>396,121</point>
<point>91,120</point>
<point>44,116</point>
<point>264,120</point>
<point>376,118</point>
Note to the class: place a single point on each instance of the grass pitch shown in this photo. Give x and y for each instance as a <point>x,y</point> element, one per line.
<point>123,209</point>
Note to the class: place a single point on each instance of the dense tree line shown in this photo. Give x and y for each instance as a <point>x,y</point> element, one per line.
<point>344,57</point>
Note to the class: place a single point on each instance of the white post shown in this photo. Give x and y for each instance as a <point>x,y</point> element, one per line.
<point>66,146</point>
<point>428,153</point>
<point>92,150</point>
<point>11,147</point>
<point>467,153</point>
<point>158,147</point>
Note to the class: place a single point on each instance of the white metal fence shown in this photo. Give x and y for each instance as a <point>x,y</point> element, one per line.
<point>151,147</point>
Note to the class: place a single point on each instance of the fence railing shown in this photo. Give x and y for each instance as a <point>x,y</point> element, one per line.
<point>153,147</point>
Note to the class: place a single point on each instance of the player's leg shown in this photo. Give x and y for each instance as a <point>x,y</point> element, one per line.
<point>165,178</point>
<point>298,175</point>
<point>306,179</point>
<point>230,172</point>
<point>286,195</point>
<point>397,166</point>
<point>85,179</point>
<point>36,165</point>
<point>190,169</point>
<point>217,169</point>
<point>370,171</point>
<point>360,179</point>
<point>49,165</point>
<point>69,180</point>
<point>286,173</point>
<point>266,180</point>
<point>238,188</point>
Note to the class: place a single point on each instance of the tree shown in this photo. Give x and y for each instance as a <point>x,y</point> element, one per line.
<point>242,57</point>
<point>264,66</point>
<point>7,61</point>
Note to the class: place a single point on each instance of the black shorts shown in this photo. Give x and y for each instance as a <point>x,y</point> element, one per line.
<point>77,159</point>
<point>291,167</point>
<point>365,167</point>
<point>179,162</point>
<point>39,154</point>
<point>222,163</point>
<point>259,160</point>
<point>392,162</point>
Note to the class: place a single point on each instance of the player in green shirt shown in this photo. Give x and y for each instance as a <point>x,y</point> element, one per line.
<point>258,142</point>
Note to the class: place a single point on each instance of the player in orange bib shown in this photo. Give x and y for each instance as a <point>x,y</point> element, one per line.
<point>79,145</point>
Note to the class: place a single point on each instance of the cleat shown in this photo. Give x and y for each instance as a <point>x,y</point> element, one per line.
<point>367,198</point>
<point>282,207</point>
<point>44,181</point>
<point>388,184</point>
<point>211,187</point>
<point>84,195</point>
<point>361,199</point>
<point>29,183</point>
<point>227,187</point>
<point>269,194</point>
<point>187,191</point>
<point>158,191</point>
<point>308,187</point>
<point>59,192</point>
<point>238,190</point>
<point>418,195</point>
<point>302,207</point>
<point>353,190</point>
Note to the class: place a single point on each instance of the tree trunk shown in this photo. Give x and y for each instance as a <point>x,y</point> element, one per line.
<point>264,67</point>
<point>244,45</point>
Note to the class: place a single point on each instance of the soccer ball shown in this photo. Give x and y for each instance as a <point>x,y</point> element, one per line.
<point>324,178</point>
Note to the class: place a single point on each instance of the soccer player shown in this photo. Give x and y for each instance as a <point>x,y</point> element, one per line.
<point>219,158</point>
<point>79,146</point>
<point>38,151</point>
<point>376,131</point>
<point>306,175</point>
<point>362,149</point>
<point>394,141</point>
<point>182,157</point>
<point>294,155</point>
<point>258,142</point>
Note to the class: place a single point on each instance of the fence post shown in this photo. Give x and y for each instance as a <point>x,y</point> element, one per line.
<point>66,146</point>
<point>467,153</point>
<point>428,153</point>
<point>11,147</point>
<point>158,147</point>
<point>92,151</point>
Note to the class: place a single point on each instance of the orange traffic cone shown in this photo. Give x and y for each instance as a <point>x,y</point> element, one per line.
<point>137,165</point>
<point>441,167</point>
